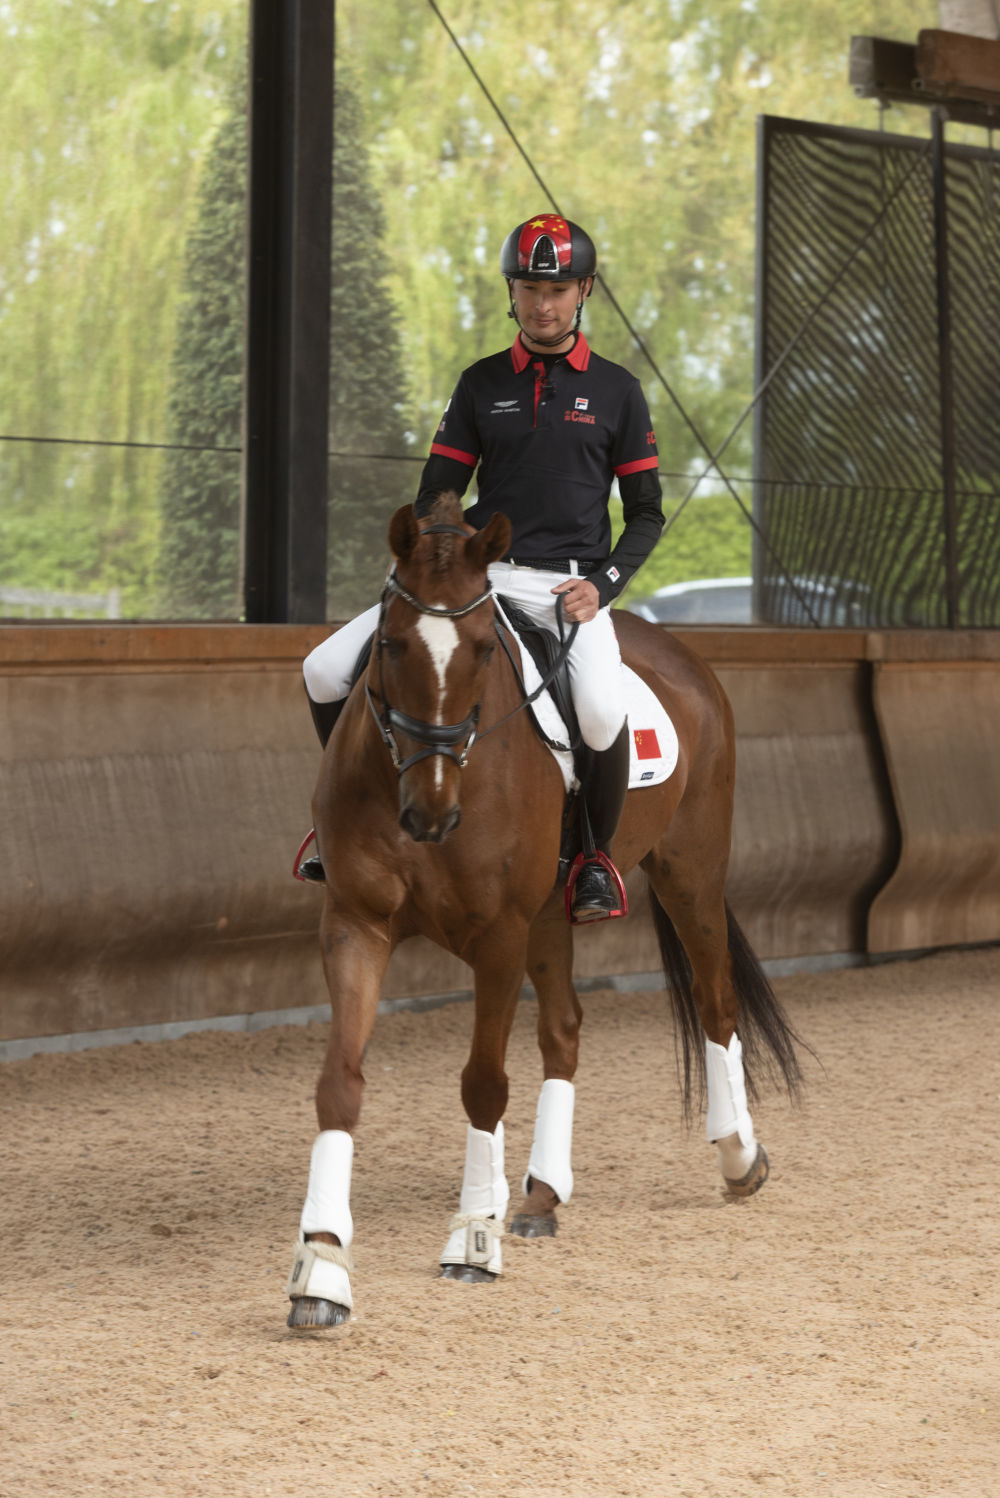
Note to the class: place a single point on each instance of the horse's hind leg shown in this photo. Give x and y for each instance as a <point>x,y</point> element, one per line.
<point>355,955</point>
<point>549,1177</point>
<point>692,922</point>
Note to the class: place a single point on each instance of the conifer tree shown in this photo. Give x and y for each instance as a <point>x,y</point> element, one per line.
<point>200,500</point>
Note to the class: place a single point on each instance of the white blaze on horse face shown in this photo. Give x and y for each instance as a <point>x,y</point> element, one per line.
<point>441,638</point>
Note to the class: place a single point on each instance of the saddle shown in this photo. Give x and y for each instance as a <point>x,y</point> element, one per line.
<point>550,657</point>
<point>653,745</point>
<point>546,651</point>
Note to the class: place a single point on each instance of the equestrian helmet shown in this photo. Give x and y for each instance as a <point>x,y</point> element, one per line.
<point>547,248</point>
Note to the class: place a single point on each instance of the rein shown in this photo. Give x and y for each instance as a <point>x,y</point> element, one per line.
<point>441,738</point>
<point>565,646</point>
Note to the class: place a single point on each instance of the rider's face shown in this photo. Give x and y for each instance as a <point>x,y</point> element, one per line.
<point>546,310</point>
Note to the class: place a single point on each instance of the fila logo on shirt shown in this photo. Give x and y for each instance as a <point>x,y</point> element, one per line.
<point>579,412</point>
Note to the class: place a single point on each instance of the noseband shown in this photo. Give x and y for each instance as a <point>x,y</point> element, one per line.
<point>434,738</point>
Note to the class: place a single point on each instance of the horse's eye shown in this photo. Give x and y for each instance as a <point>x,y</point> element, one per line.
<point>393,648</point>
<point>485,654</point>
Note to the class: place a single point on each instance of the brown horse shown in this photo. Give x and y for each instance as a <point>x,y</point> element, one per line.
<point>439,811</point>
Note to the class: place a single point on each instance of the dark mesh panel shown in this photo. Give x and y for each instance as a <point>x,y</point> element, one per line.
<point>848,440</point>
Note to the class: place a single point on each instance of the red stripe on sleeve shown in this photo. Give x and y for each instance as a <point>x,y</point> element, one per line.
<point>624,468</point>
<point>456,452</point>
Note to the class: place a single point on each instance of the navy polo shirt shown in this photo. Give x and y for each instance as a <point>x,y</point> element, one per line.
<point>548,437</point>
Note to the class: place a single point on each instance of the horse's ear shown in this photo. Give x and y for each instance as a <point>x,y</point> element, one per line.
<point>491,542</point>
<point>404,533</point>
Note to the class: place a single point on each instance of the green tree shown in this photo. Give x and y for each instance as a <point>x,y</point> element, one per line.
<point>640,116</point>
<point>104,117</point>
<point>201,491</point>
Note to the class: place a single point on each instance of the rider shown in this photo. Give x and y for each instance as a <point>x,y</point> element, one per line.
<point>550,425</point>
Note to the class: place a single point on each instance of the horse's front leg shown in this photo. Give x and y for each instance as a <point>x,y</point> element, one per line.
<point>355,955</point>
<point>548,1180</point>
<point>472,1252</point>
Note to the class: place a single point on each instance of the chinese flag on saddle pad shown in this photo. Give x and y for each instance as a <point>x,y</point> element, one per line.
<point>646,743</point>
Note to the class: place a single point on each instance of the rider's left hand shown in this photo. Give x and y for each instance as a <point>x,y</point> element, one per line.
<point>581,600</point>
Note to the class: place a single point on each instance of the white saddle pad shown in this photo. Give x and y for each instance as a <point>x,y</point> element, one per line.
<point>653,746</point>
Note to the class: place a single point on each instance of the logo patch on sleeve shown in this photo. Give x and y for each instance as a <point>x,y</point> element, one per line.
<point>613,573</point>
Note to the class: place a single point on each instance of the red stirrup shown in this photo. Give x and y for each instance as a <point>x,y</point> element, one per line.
<point>602,858</point>
<point>310,837</point>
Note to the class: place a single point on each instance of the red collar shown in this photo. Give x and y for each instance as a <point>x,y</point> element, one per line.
<point>578,356</point>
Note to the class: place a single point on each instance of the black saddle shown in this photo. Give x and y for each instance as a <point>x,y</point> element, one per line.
<point>545,650</point>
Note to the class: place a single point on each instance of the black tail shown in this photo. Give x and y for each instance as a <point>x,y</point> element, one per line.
<point>767,1038</point>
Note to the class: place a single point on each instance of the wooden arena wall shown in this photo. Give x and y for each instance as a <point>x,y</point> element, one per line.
<point>155,783</point>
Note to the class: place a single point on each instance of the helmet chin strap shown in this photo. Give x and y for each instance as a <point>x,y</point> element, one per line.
<point>546,342</point>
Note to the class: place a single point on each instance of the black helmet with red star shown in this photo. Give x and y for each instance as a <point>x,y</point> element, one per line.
<point>547,248</point>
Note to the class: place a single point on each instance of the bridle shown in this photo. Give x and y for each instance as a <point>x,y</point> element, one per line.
<point>434,738</point>
<point>442,738</point>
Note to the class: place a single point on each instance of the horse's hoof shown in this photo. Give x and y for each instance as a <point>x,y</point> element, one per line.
<point>527,1225</point>
<point>309,1312</point>
<point>469,1274</point>
<point>754,1178</point>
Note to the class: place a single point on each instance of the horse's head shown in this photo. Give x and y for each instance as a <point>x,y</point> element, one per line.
<point>434,642</point>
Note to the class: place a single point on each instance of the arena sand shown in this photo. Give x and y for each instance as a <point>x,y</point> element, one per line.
<point>836,1335</point>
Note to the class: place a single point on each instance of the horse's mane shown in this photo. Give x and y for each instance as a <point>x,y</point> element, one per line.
<point>446,510</point>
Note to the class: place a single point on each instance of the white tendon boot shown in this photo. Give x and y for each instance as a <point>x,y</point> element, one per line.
<point>728,1124</point>
<point>551,1147</point>
<point>477,1227</point>
<point>320,1269</point>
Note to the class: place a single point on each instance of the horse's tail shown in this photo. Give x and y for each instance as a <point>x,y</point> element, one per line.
<point>767,1038</point>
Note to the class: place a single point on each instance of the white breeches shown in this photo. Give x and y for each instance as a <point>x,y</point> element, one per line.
<point>595,665</point>
<point>328,669</point>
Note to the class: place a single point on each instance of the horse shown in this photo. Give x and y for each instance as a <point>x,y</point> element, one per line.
<point>439,810</point>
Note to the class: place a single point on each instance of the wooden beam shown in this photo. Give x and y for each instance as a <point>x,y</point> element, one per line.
<point>968,66</point>
<point>961,72</point>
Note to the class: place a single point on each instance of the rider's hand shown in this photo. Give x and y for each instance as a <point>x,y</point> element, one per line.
<point>581,600</point>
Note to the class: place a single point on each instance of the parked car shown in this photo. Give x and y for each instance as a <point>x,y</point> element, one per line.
<point>706,600</point>
<point>729,600</point>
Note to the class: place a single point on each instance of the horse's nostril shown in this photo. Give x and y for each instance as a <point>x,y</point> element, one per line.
<point>451,821</point>
<point>412,825</point>
<point>422,830</point>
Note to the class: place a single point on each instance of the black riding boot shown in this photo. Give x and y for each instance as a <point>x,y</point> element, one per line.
<point>324,716</point>
<point>604,789</point>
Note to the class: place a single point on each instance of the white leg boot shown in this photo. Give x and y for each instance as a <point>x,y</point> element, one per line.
<point>729,1125</point>
<point>477,1227</point>
<point>551,1148</point>
<point>320,1270</point>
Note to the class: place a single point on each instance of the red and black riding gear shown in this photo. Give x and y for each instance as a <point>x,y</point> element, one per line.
<point>548,248</point>
<point>549,434</point>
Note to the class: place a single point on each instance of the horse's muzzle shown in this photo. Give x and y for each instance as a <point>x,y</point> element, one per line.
<point>424,828</point>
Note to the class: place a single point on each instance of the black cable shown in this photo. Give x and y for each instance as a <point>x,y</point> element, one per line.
<point>640,344</point>
<point>171,447</point>
<point>790,345</point>
<point>631,330</point>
